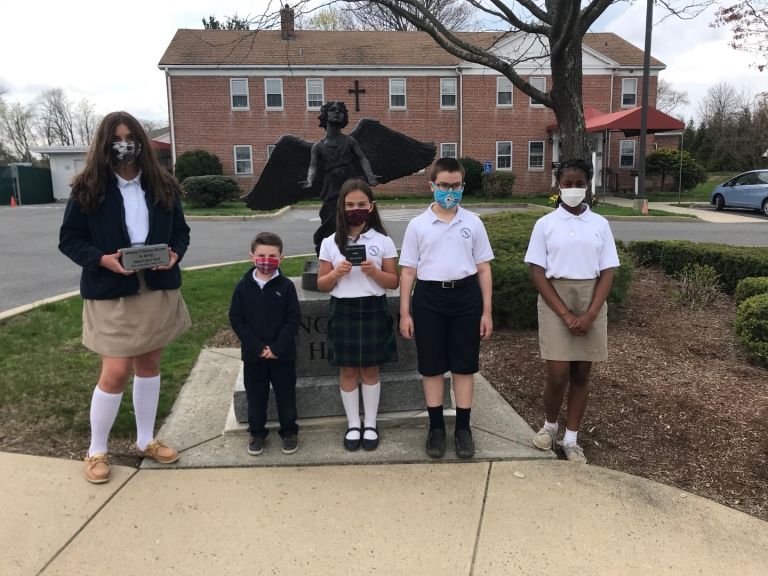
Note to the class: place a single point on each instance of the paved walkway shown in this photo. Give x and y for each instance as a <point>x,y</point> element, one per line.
<point>701,211</point>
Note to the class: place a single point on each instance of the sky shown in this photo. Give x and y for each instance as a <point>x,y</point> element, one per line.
<point>108,52</point>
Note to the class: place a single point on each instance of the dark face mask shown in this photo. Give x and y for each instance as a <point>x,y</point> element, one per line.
<point>357,216</point>
<point>125,152</point>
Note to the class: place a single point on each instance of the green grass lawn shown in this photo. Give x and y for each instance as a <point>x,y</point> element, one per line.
<point>230,208</point>
<point>701,193</point>
<point>46,375</point>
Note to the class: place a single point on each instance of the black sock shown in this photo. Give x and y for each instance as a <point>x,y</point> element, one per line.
<point>436,421</point>
<point>462,418</point>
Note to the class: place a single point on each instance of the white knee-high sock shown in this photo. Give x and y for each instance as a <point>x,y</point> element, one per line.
<point>351,401</point>
<point>371,394</point>
<point>104,407</point>
<point>146,392</point>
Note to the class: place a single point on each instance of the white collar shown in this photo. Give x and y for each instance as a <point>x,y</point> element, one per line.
<point>122,182</point>
<point>366,235</point>
<point>457,217</point>
<point>586,213</point>
<point>275,274</point>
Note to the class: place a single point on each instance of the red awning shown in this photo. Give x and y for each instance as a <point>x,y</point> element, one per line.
<point>160,145</point>
<point>628,121</point>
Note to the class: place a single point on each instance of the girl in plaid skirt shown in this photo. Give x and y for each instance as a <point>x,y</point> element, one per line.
<point>357,266</point>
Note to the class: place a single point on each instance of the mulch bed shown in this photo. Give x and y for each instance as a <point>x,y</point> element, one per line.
<point>677,401</point>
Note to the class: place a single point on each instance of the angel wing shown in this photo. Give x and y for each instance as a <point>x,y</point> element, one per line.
<point>280,183</point>
<point>392,155</point>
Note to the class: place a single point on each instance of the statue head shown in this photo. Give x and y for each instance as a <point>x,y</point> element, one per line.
<point>324,113</point>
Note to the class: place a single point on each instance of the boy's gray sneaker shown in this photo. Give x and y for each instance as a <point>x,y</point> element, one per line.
<point>574,453</point>
<point>255,446</point>
<point>290,443</point>
<point>544,438</point>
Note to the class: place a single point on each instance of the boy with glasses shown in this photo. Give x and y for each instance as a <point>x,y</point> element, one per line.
<point>446,253</point>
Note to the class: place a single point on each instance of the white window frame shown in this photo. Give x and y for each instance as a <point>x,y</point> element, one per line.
<point>531,102</point>
<point>543,155</point>
<point>624,91</point>
<point>267,93</point>
<point>270,149</point>
<point>236,159</point>
<point>622,153</point>
<point>455,149</point>
<point>232,94</point>
<point>404,94</point>
<point>444,91</point>
<point>322,93</point>
<point>498,164</point>
<point>504,80</point>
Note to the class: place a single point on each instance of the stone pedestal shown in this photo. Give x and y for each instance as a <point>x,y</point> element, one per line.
<point>317,386</point>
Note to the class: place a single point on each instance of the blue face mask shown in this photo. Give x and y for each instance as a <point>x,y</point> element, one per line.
<point>449,198</point>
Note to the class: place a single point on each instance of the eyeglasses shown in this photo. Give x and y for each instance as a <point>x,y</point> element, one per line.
<point>448,186</point>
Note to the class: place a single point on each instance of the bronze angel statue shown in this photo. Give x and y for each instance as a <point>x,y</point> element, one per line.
<point>298,169</point>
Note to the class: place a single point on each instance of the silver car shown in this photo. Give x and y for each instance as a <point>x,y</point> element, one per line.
<point>747,190</point>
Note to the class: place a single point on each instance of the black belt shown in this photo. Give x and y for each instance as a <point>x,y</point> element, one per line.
<point>450,283</point>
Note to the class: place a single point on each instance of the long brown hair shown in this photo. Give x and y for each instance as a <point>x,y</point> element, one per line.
<point>342,228</point>
<point>90,186</point>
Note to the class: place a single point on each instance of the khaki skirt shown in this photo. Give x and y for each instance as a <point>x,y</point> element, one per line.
<point>134,325</point>
<point>556,341</point>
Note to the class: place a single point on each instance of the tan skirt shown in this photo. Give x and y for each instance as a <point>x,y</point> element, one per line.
<point>556,341</point>
<point>134,325</point>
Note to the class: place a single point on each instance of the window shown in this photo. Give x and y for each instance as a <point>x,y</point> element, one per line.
<point>243,161</point>
<point>315,93</point>
<point>270,149</point>
<point>540,83</point>
<point>448,150</point>
<point>447,92</point>
<point>503,91</point>
<point>626,153</point>
<point>536,155</point>
<point>628,92</point>
<point>273,90</point>
<point>397,92</point>
<point>503,155</point>
<point>238,90</point>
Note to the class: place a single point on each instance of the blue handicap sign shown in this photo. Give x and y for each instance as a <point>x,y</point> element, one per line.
<point>487,166</point>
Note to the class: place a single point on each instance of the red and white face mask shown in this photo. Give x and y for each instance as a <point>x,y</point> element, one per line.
<point>266,265</point>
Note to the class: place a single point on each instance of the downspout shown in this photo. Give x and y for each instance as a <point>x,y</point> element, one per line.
<point>170,115</point>
<point>461,111</point>
<point>607,153</point>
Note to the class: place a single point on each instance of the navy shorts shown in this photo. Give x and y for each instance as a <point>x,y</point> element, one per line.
<point>447,327</point>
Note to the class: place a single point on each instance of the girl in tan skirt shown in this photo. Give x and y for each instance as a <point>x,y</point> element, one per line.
<point>123,198</point>
<point>572,257</point>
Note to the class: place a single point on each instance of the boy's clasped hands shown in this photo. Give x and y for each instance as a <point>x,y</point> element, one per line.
<point>267,354</point>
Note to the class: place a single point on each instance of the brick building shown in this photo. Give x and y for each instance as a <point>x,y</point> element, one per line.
<point>234,93</point>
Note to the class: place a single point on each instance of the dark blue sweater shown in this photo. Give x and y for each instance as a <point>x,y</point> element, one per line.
<point>85,238</point>
<point>266,316</point>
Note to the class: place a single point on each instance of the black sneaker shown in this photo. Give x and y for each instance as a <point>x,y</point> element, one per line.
<point>290,443</point>
<point>255,446</point>
<point>436,443</point>
<point>465,446</point>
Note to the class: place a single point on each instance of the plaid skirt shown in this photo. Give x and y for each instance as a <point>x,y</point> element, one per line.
<point>360,332</point>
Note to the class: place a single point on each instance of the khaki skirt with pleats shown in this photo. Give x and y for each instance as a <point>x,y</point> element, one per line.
<point>134,325</point>
<point>556,341</point>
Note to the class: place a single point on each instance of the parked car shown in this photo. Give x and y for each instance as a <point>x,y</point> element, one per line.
<point>747,190</point>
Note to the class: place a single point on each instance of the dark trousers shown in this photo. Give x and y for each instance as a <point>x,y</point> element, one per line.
<point>257,377</point>
<point>327,222</point>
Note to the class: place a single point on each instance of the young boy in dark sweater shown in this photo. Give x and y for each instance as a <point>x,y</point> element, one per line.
<point>265,315</point>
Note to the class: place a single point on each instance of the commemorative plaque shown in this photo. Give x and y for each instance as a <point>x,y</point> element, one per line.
<point>143,257</point>
<point>356,254</point>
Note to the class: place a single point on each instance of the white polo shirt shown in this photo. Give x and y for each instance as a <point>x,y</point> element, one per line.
<point>445,251</point>
<point>136,211</point>
<point>572,247</point>
<point>356,284</point>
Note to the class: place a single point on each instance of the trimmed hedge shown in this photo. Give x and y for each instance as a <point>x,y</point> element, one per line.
<point>473,176</point>
<point>498,184</point>
<point>514,295</point>
<point>210,191</point>
<point>751,286</point>
<point>197,163</point>
<point>732,263</point>
<point>752,328</point>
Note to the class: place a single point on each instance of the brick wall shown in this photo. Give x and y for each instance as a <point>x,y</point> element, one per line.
<point>203,118</point>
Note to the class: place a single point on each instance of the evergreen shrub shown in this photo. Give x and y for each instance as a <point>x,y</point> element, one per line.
<point>498,184</point>
<point>197,163</point>
<point>210,191</point>
<point>473,176</point>
<point>750,286</point>
<point>752,328</point>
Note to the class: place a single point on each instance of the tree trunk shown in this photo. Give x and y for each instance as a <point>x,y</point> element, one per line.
<point>567,97</point>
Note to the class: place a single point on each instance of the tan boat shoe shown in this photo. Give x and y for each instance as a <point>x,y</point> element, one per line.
<point>159,452</point>
<point>97,469</point>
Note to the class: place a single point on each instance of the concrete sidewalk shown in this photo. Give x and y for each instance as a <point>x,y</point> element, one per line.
<point>489,518</point>
<point>700,211</point>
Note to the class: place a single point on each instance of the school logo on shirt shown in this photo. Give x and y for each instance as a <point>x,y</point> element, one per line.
<point>373,250</point>
<point>465,232</point>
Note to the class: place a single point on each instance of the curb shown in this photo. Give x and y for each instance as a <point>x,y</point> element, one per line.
<point>238,217</point>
